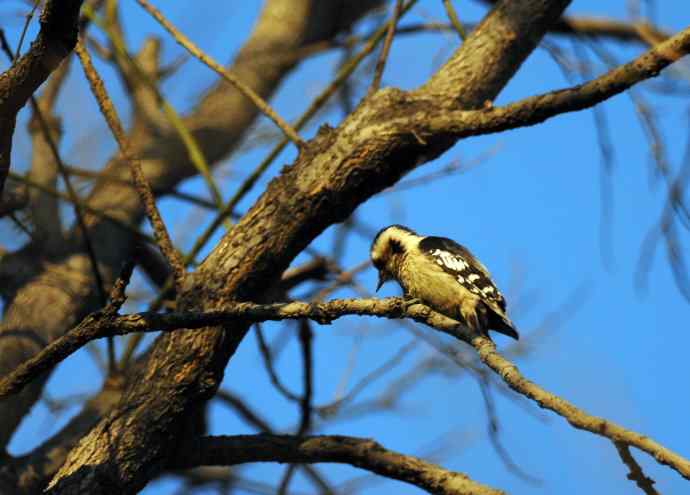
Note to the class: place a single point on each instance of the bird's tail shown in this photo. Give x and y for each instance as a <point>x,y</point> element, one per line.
<point>486,318</point>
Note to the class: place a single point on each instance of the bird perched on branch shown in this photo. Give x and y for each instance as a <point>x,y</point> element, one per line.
<point>443,275</point>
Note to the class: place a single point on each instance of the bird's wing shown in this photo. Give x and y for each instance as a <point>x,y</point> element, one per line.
<point>457,261</point>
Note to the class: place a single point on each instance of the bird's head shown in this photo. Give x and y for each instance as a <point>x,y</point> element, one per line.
<point>388,249</point>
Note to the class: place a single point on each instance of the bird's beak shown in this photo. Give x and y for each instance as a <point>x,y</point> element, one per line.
<point>382,280</point>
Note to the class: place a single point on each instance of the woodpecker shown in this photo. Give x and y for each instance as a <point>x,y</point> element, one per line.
<point>443,275</point>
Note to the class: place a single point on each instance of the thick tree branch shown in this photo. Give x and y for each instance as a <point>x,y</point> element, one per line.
<point>108,324</point>
<point>536,109</point>
<point>502,42</point>
<point>362,453</point>
<point>30,473</point>
<point>335,173</point>
<point>46,130</point>
<point>59,294</point>
<point>101,324</point>
<point>55,40</point>
<point>14,198</point>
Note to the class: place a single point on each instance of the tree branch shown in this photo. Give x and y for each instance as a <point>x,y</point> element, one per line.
<point>335,173</point>
<point>107,324</point>
<point>610,28</point>
<point>16,197</point>
<point>60,293</point>
<point>431,121</point>
<point>246,90</point>
<point>362,453</point>
<point>55,40</point>
<point>46,130</point>
<point>103,324</point>
<point>143,188</point>
<point>31,472</point>
<point>636,474</point>
<point>576,417</point>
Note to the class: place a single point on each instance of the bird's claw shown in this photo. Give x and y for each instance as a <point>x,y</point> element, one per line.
<point>411,301</point>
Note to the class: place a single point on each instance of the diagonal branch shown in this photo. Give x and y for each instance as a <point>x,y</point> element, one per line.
<point>245,89</point>
<point>143,188</point>
<point>454,19</point>
<point>362,453</point>
<point>645,483</point>
<point>388,41</point>
<point>58,295</point>
<point>55,40</point>
<point>430,121</point>
<point>611,28</point>
<point>45,213</point>
<point>339,170</point>
<point>103,324</point>
<point>575,416</point>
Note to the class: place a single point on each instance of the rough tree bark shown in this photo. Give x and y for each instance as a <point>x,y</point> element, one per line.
<point>56,39</point>
<point>138,426</point>
<point>48,292</point>
<point>337,171</point>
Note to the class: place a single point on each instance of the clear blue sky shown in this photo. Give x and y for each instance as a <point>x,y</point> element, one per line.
<point>531,210</point>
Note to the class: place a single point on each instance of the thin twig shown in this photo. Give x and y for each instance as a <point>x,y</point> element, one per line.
<point>131,229</point>
<point>79,214</point>
<point>381,63</point>
<point>117,294</point>
<point>267,359</point>
<point>247,91</point>
<point>608,161</point>
<point>194,151</point>
<point>306,337</point>
<point>345,71</point>
<point>143,187</point>
<point>645,483</point>
<point>285,480</point>
<point>333,407</point>
<point>575,416</point>
<point>253,418</point>
<point>306,408</point>
<point>20,225</point>
<point>29,16</point>
<point>454,19</point>
<point>115,179</point>
<point>74,197</point>
<point>493,427</point>
<point>316,104</point>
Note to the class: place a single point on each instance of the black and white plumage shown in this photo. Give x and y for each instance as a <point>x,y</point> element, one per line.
<point>442,274</point>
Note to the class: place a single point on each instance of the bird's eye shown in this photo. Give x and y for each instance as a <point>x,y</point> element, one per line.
<point>396,247</point>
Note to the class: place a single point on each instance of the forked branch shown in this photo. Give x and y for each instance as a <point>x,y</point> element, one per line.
<point>102,324</point>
